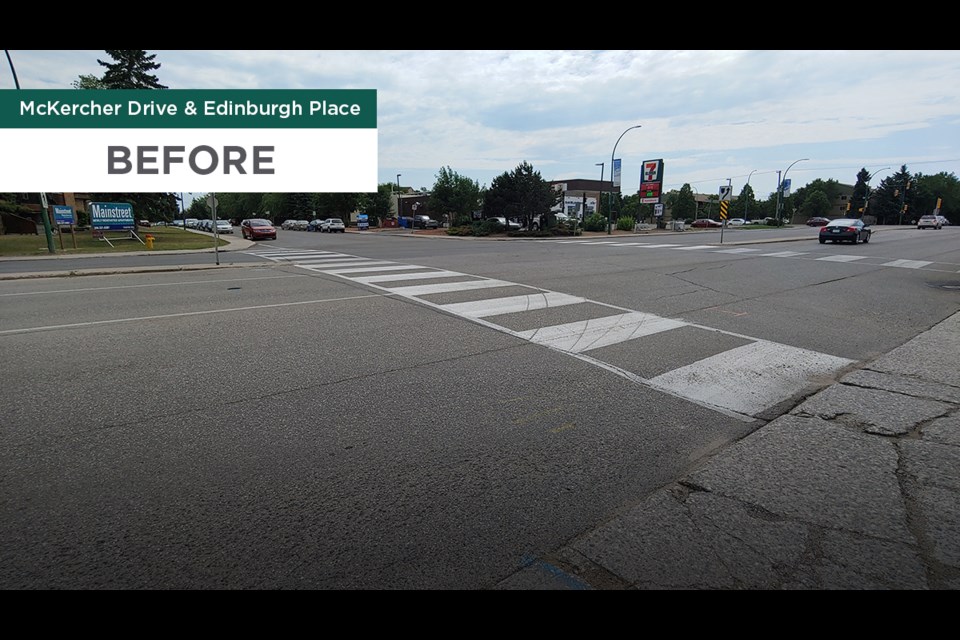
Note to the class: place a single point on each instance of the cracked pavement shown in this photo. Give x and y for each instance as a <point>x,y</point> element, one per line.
<point>857,487</point>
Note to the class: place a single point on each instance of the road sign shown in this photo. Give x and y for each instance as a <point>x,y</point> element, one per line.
<point>725,192</point>
<point>658,210</point>
<point>63,215</point>
<point>723,209</point>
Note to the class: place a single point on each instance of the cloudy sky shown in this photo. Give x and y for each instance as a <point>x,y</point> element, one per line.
<point>711,116</point>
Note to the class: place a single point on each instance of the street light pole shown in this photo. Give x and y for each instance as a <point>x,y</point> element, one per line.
<point>746,197</point>
<point>600,192</point>
<point>16,82</point>
<point>780,188</point>
<point>610,199</point>
<point>44,213</point>
<point>399,212</point>
<point>866,192</point>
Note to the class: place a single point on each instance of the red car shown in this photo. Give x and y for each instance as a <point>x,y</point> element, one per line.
<point>703,223</point>
<point>258,229</point>
<point>817,222</point>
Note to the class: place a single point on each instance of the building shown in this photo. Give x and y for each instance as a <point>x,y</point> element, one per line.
<point>581,198</point>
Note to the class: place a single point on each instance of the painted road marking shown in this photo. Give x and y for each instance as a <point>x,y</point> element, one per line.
<point>750,378</point>
<point>907,264</point>
<point>576,337</point>
<point>512,304</point>
<point>840,258</point>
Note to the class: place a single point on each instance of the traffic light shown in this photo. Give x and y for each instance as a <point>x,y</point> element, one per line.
<point>848,206</point>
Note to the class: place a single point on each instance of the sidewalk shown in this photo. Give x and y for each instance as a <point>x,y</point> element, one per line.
<point>858,487</point>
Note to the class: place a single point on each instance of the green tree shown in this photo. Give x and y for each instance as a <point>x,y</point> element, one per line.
<point>302,205</point>
<point>130,69</point>
<point>89,81</point>
<point>816,204</point>
<point>454,195</point>
<point>199,209</point>
<point>377,204</point>
<point>521,194</point>
<point>894,191</point>
<point>683,206</point>
<point>794,202</point>
<point>944,186</point>
<point>746,204</point>
<point>337,205</point>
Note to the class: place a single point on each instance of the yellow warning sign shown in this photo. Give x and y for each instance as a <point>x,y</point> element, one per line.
<point>723,210</point>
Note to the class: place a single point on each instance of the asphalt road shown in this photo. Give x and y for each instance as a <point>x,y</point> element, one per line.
<point>319,417</point>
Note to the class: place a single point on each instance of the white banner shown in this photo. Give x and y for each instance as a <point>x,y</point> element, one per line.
<point>313,160</point>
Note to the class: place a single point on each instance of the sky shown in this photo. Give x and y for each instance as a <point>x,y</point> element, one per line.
<point>714,117</point>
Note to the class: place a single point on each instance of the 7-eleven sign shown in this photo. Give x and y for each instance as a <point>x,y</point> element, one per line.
<point>652,170</point>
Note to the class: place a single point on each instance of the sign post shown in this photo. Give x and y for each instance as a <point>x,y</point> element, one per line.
<point>725,192</point>
<point>63,216</point>
<point>212,202</point>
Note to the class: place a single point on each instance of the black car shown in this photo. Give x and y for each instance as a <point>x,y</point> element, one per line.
<point>845,230</point>
<point>424,222</point>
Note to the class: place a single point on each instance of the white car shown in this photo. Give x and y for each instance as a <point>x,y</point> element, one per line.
<point>736,222</point>
<point>333,225</point>
<point>509,226</point>
<point>224,226</point>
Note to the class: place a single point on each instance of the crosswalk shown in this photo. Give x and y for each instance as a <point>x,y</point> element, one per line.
<point>735,374</point>
<point>877,261</point>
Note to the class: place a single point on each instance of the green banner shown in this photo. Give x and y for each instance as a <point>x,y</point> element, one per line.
<point>188,109</point>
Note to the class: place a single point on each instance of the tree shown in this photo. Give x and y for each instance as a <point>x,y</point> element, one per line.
<point>894,192</point>
<point>199,209</point>
<point>89,81</point>
<point>521,194</point>
<point>454,195</point>
<point>337,205</point>
<point>816,204</point>
<point>830,188</point>
<point>303,205</point>
<point>683,206</point>
<point>377,204</point>
<point>130,70</point>
<point>945,187</point>
<point>746,202</point>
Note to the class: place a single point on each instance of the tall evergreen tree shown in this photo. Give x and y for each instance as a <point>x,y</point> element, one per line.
<point>130,70</point>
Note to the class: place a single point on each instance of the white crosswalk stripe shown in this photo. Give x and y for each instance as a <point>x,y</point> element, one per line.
<point>875,261</point>
<point>743,380</point>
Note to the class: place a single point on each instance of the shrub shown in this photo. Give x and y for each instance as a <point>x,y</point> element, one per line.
<point>492,226</point>
<point>625,223</point>
<point>596,222</point>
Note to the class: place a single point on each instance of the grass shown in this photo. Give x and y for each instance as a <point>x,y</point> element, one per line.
<point>164,239</point>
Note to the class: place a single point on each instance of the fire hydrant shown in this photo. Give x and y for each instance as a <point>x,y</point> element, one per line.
<point>149,240</point>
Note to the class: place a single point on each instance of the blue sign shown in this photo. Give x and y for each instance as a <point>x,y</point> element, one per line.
<point>111,216</point>
<point>63,215</point>
<point>362,221</point>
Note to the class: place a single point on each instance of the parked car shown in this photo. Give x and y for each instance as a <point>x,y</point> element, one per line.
<point>258,229</point>
<point>191,223</point>
<point>509,225</point>
<point>943,221</point>
<point>560,218</point>
<point>929,222</point>
<point>736,222</point>
<point>424,222</point>
<point>315,225</point>
<point>224,226</point>
<point>845,230</point>
<point>705,223</point>
<point>817,221</point>
<point>333,225</point>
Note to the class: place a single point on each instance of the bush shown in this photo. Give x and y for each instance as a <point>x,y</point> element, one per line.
<point>492,226</point>
<point>596,222</point>
<point>625,223</point>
